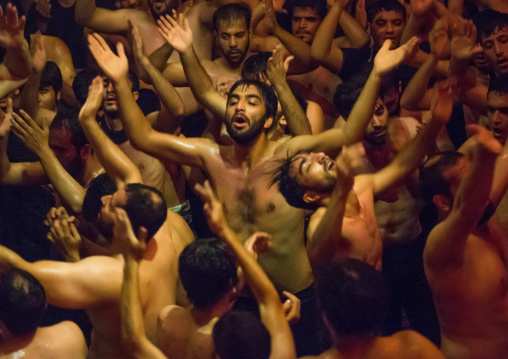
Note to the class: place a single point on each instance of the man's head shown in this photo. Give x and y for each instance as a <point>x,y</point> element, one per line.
<point>251,108</point>
<point>109,101</point>
<point>493,34</point>
<point>68,141</point>
<point>82,82</point>
<point>162,7</point>
<point>306,16</point>
<point>353,298</point>
<point>254,68</point>
<point>130,4</point>
<point>208,273</point>
<point>145,206</point>
<point>497,107</point>
<point>305,179</point>
<point>231,23</point>
<point>439,179</point>
<point>241,335</point>
<point>50,86</point>
<point>22,302</point>
<point>386,20</point>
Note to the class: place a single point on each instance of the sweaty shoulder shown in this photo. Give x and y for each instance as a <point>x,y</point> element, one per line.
<point>65,340</point>
<point>414,345</point>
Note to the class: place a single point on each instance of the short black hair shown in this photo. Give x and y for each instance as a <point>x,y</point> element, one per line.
<point>68,120</point>
<point>385,5</point>
<point>22,301</point>
<point>499,85</point>
<point>353,297</point>
<point>489,22</point>
<point>347,93</point>
<point>82,82</point>
<point>207,271</point>
<point>51,77</point>
<point>289,187</point>
<point>432,182</point>
<point>134,79</point>
<point>100,186</point>
<point>266,92</point>
<point>239,334</point>
<point>318,5</point>
<point>145,207</point>
<point>254,67</point>
<point>230,13</point>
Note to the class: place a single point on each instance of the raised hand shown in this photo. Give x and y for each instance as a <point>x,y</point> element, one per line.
<point>484,138</point>
<point>137,44</point>
<point>177,33</point>
<point>345,164</point>
<point>11,28</point>
<point>28,131</point>
<point>386,60</point>
<point>277,67</point>
<point>212,208</point>
<point>93,101</point>
<point>270,18</point>
<point>5,119</point>
<point>64,236</point>
<point>438,37</point>
<point>115,67</point>
<point>441,104</point>
<point>463,45</point>
<point>291,308</point>
<point>259,242</point>
<point>38,52</point>
<point>132,246</point>
<point>361,13</point>
<point>43,7</point>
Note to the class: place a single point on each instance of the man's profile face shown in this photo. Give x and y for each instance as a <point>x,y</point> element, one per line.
<point>245,114</point>
<point>60,142</point>
<point>495,49</point>
<point>497,111</point>
<point>233,41</point>
<point>315,171</point>
<point>106,216</point>
<point>304,23</point>
<point>47,98</point>
<point>376,130</point>
<point>387,25</point>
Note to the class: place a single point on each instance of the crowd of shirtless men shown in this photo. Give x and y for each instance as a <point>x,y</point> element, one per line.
<point>243,179</point>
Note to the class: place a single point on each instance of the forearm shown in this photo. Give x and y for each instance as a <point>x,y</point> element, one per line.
<point>500,181</point>
<point>84,11</point>
<point>65,185</point>
<point>415,90</point>
<point>297,120</point>
<point>29,95</point>
<point>322,43</point>
<point>355,33</point>
<point>19,61</point>
<point>298,48</point>
<point>420,58</point>
<point>158,58</point>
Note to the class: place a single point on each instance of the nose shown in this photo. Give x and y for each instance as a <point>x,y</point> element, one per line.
<point>110,87</point>
<point>496,118</point>
<point>233,42</point>
<point>302,24</point>
<point>319,156</point>
<point>377,123</point>
<point>240,106</point>
<point>498,48</point>
<point>389,27</point>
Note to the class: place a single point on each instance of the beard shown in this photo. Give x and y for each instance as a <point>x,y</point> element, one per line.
<point>245,137</point>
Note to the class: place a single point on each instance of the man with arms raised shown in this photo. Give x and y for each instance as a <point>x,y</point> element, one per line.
<point>238,172</point>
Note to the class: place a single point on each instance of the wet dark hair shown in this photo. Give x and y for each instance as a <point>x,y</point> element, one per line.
<point>22,301</point>
<point>266,92</point>
<point>353,297</point>
<point>347,93</point>
<point>100,186</point>
<point>68,120</point>
<point>207,271</point>
<point>239,334</point>
<point>318,5</point>
<point>82,81</point>
<point>489,22</point>
<point>385,5</point>
<point>499,85</point>
<point>51,77</point>
<point>254,67</point>
<point>289,187</point>
<point>230,13</point>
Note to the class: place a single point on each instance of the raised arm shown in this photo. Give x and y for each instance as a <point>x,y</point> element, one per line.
<point>117,165</point>
<point>276,68</point>
<point>179,35</point>
<point>133,328</point>
<point>36,139</point>
<point>102,20</point>
<point>411,156</point>
<point>270,307</point>
<point>164,146</point>
<point>354,32</point>
<point>446,243</point>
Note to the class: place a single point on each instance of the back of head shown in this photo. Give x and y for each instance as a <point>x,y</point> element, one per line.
<point>100,186</point>
<point>348,92</point>
<point>207,271</point>
<point>145,207</point>
<point>241,335</point>
<point>318,5</point>
<point>51,76</point>
<point>230,13</point>
<point>22,301</point>
<point>489,22</point>
<point>385,5</point>
<point>499,85</point>
<point>352,297</point>
<point>254,67</point>
<point>68,120</point>
<point>82,82</point>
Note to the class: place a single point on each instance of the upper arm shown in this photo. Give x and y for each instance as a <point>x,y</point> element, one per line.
<point>109,21</point>
<point>333,62</point>
<point>175,74</point>
<point>329,141</point>
<point>316,117</point>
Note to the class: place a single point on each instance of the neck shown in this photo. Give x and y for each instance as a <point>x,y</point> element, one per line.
<point>354,346</point>
<point>203,317</point>
<point>113,122</point>
<point>253,152</point>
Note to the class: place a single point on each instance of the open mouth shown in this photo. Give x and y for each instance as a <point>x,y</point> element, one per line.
<point>329,165</point>
<point>497,132</point>
<point>240,122</point>
<point>502,62</point>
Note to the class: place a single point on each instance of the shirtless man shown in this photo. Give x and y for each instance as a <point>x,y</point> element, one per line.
<point>465,253</point>
<point>237,172</point>
<point>353,300</point>
<point>22,305</point>
<point>308,180</point>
